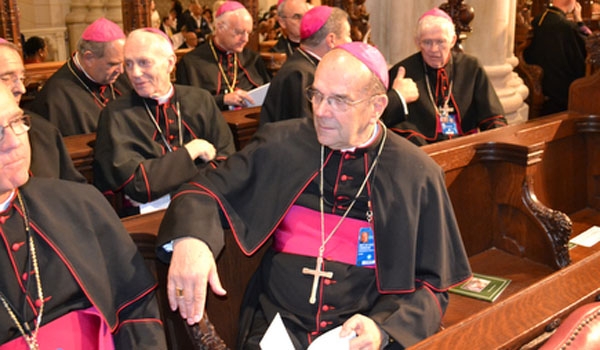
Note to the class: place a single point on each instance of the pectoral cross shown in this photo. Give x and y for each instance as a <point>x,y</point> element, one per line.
<point>317,274</point>
<point>446,110</point>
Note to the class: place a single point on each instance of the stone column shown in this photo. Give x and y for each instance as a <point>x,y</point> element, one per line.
<point>75,21</point>
<point>393,26</point>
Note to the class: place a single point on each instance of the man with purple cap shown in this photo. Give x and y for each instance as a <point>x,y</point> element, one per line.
<point>74,96</point>
<point>455,95</point>
<point>223,64</point>
<point>360,238</point>
<point>322,28</point>
<point>157,138</point>
<point>289,16</point>
<point>71,277</point>
<point>49,156</point>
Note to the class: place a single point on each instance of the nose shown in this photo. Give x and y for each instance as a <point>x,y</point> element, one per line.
<point>120,69</point>
<point>320,108</point>
<point>133,70</point>
<point>10,140</point>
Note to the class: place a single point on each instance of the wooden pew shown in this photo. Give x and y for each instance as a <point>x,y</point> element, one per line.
<point>519,193</point>
<point>81,149</point>
<point>243,124</point>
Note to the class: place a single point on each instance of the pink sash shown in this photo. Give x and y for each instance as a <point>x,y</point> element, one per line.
<point>81,329</point>
<point>300,233</point>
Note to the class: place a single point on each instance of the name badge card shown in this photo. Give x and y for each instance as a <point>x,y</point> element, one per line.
<point>366,247</point>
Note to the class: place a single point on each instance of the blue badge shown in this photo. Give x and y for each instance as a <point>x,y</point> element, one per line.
<point>448,123</point>
<point>366,247</point>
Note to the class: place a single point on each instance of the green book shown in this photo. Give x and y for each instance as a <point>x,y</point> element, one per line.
<point>482,287</point>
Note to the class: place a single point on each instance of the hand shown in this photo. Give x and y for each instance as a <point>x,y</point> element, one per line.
<point>238,98</point>
<point>201,148</point>
<point>405,86</point>
<point>368,335</point>
<point>192,267</point>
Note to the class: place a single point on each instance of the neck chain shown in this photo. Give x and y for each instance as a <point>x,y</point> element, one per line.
<point>231,86</point>
<point>159,129</point>
<point>445,110</point>
<point>112,90</point>
<point>307,56</point>
<point>29,335</point>
<point>318,271</point>
<point>324,239</point>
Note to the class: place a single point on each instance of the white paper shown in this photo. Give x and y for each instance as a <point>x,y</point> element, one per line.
<point>588,238</point>
<point>332,340</point>
<point>258,95</point>
<point>276,336</point>
<point>161,203</point>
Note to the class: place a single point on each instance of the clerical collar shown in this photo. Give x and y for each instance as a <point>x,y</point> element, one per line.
<point>366,144</point>
<point>166,97</point>
<point>311,53</point>
<point>4,205</point>
<point>78,65</point>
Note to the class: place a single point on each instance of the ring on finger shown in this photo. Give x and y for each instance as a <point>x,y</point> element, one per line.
<point>179,292</point>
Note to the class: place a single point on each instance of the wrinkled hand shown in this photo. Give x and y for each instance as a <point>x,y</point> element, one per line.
<point>238,98</point>
<point>192,267</point>
<point>368,335</point>
<point>201,148</point>
<point>405,86</point>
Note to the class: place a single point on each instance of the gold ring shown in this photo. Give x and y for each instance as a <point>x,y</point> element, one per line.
<point>179,292</point>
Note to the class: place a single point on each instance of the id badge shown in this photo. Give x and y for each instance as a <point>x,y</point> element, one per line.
<point>366,247</point>
<point>449,126</point>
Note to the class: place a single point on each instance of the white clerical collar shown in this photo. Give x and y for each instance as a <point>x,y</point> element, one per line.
<point>312,53</point>
<point>166,97</point>
<point>76,61</point>
<point>4,205</point>
<point>369,141</point>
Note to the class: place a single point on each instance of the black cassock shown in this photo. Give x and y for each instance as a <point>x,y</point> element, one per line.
<point>85,257</point>
<point>131,155</point>
<point>49,155</point>
<point>286,97</point>
<point>199,68</point>
<point>72,102</point>
<point>559,48</point>
<point>417,242</point>
<point>473,98</point>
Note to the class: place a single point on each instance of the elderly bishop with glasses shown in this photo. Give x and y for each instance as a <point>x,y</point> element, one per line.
<point>223,64</point>
<point>363,232</point>
<point>71,277</point>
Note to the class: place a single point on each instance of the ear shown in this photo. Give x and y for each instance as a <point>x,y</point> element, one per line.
<point>330,40</point>
<point>454,38</point>
<point>172,60</point>
<point>87,58</point>
<point>380,102</point>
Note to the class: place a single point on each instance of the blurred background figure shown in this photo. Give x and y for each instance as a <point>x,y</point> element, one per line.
<point>154,15</point>
<point>35,50</point>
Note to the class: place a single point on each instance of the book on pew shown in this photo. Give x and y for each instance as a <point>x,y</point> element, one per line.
<point>482,287</point>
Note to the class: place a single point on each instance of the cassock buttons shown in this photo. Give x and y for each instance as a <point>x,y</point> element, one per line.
<point>325,308</point>
<point>344,177</point>
<point>16,246</point>
<point>171,137</point>
<point>38,303</point>
<point>24,276</point>
<point>326,281</point>
<point>347,155</point>
<point>323,324</point>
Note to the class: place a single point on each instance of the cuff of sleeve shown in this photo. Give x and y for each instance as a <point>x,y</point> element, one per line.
<point>404,106</point>
<point>385,338</point>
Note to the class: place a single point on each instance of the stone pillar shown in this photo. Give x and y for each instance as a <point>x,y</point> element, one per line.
<point>492,41</point>
<point>114,11</point>
<point>393,26</point>
<point>75,21</point>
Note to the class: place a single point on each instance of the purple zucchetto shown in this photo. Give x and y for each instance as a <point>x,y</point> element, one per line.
<point>228,6</point>
<point>436,12</point>
<point>370,57</point>
<point>313,20</point>
<point>3,41</point>
<point>103,31</point>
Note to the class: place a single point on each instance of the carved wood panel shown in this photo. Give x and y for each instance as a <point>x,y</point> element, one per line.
<point>359,17</point>
<point>9,22</point>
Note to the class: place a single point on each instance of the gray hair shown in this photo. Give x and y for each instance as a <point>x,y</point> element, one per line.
<point>435,21</point>
<point>334,25</point>
<point>95,47</point>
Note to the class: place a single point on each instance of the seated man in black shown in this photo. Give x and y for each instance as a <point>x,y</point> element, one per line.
<point>455,96</point>
<point>71,277</point>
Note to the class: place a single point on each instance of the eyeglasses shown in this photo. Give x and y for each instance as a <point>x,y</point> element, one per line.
<point>19,126</point>
<point>441,43</point>
<point>339,103</point>
<point>295,17</point>
<point>11,79</point>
